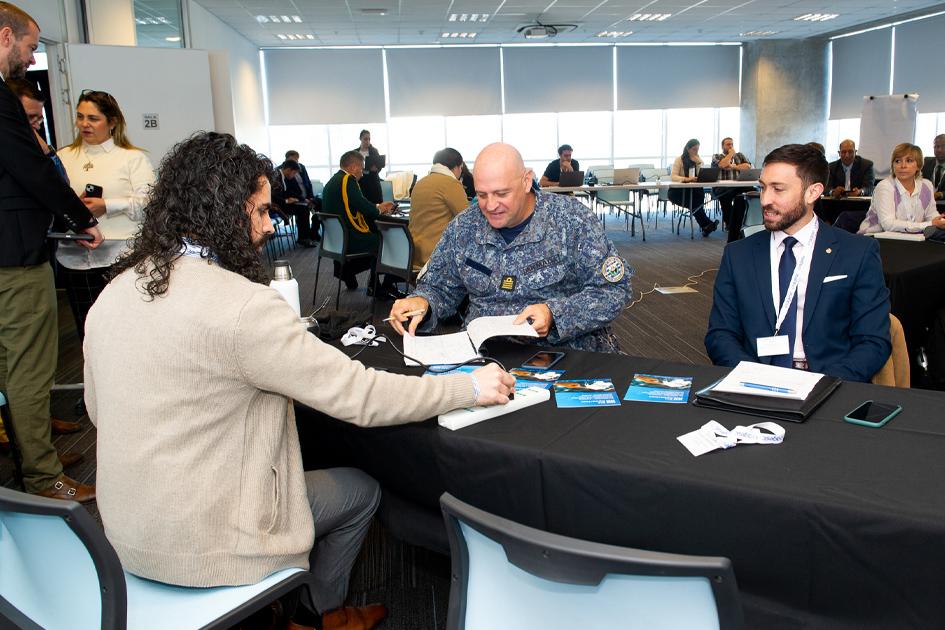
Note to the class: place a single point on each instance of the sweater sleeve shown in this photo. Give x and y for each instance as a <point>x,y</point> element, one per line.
<point>677,174</point>
<point>275,353</point>
<point>140,176</point>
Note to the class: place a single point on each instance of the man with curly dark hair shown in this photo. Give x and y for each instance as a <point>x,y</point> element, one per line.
<point>191,367</point>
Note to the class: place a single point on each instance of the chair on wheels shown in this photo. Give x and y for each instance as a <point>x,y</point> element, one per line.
<point>395,252</point>
<point>7,420</point>
<point>334,245</point>
<point>619,199</point>
<point>48,545</point>
<point>507,575</point>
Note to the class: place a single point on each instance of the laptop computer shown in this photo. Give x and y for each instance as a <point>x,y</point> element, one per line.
<point>626,176</point>
<point>708,175</point>
<point>571,178</point>
<point>749,175</point>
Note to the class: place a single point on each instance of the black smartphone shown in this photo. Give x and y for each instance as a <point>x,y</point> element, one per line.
<point>544,359</point>
<point>873,414</point>
<point>69,236</point>
<point>92,190</point>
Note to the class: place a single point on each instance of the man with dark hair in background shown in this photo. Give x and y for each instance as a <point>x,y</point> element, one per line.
<point>293,155</point>
<point>802,293</point>
<point>32,192</point>
<point>564,163</point>
<point>730,163</point>
<point>287,193</point>
<point>933,167</point>
<point>435,200</point>
<point>342,196</point>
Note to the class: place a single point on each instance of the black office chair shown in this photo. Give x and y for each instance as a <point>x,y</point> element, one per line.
<point>334,246</point>
<point>395,252</point>
<point>7,419</point>
<point>507,575</point>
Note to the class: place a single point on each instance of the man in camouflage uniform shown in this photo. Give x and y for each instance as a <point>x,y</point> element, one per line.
<point>516,250</point>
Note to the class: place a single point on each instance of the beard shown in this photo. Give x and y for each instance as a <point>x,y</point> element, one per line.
<point>18,66</point>
<point>786,218</point>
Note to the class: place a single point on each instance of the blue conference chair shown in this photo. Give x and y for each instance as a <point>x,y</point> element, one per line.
<point>507,575</point>
<point>47,545</point>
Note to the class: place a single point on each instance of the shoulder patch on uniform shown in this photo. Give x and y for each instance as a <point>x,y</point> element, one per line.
<point>612,269</point>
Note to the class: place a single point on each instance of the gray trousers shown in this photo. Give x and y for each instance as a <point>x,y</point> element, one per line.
<point>343,501</point>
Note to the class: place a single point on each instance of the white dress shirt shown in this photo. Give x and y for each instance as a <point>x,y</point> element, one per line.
<point>909,215</point>
<point>126,176</point>
<point>846,175</point>
<point>803,252</point>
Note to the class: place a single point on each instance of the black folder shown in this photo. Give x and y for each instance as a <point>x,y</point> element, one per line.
<point>768,406</point>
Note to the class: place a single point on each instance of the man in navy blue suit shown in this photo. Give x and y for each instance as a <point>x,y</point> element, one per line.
<point>800,294</point>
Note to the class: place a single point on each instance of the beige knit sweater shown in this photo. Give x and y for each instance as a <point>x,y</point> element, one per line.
<point>200,479</point>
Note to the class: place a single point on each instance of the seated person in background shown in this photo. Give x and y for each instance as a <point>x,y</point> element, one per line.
<point>729,162</point>
<point>685,169</point>
<point>517,250</point>
<point>836,321</point>
<point>370,182</point>
<point>342,196</point>
<point>435,200</point>
<point>933,168</point>
<point>288,195</point>
<point>468,184</point>
<point>904,201</point>
<point>228,501</point>
<point>564,163</point>
<point>851,174</point>
<point>303,175</point>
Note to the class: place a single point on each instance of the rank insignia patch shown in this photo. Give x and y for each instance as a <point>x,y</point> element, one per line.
<point>508,283</point>
<point>612,269</point>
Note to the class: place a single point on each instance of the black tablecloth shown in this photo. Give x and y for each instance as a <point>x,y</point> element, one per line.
<point>841,526</point>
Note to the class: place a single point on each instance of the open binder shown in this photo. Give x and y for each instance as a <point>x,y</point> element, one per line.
<point>768,406</point>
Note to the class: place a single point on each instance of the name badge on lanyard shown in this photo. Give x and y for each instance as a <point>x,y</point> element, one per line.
<point>777,345</point>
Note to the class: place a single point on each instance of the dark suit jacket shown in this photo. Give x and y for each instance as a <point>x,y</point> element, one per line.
<point>928,170</point>
<point>32,191</point>
<point>861,175</point>
<point>846,321</point>
<point>306,182</point>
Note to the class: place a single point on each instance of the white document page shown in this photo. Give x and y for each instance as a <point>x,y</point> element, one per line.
<point>899,236</point>
<point>758,379</point>
<point>439,349</point>
<point>482,328</point>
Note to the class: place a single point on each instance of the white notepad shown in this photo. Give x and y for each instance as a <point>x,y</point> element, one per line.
<point>758,379</point>
<point>463,346</point>
<point>525,397</point>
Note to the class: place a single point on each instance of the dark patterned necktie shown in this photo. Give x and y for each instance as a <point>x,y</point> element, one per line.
<point>789,325</point>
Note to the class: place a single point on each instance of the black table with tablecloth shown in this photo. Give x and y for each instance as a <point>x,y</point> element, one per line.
<point>841,526</point>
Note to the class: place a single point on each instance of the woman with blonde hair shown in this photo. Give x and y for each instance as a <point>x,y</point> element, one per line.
<point>904,201</point>
<point>113,177</point>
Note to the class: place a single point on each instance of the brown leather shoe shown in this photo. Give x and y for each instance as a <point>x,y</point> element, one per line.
<point>351,618</point>
<point>69,489</point>
<point>62,427</point>
<point>70,459</point>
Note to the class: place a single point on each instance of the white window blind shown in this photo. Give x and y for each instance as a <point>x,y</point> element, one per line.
<point>860,67</point>
<point>452,81</point>
<point>920,61</point>
<point>311,87</point>
<point>670,77</point>
<point>558,79</point>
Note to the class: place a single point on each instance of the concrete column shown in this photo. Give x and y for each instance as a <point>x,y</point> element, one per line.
<point>112,22</point>
<point>784,94</point>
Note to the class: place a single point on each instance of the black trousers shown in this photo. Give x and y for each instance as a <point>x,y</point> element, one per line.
<point>83,287</point>
<point>303,220</point>
<point>734,207</point>
<point>694,199</point>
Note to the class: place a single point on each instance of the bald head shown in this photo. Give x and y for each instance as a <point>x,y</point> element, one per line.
<point>503,186</point>
<point>938,147</point>
<point>847,152</point>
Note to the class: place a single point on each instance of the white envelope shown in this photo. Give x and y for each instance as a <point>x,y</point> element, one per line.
<point>832,278</point>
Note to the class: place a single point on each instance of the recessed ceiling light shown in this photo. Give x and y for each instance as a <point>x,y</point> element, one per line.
<point>174,38</point>
<point>614,33</point>
<point>816,17</point>
<point>281,36</point>
<point>758,33</point>
<point>274,18</point>
<point>309,36</point>
<point>466,35</point>
<point>374,11</point>
<point>649,17</point>
<point>262,19</point>
<point>466,17</point>
<point>297,19</point>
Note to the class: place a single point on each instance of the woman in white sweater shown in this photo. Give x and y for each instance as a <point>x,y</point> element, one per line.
<point>102,156</point>
<point>685,169</point>
<point>904,201</point>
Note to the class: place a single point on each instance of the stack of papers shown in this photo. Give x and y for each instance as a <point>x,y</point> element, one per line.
<point>758,379</point>
<point>899,236</point>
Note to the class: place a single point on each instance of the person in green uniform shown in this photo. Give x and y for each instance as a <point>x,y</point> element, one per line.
<point>342,196</point>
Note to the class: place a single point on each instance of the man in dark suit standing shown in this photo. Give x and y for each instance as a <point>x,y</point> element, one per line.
<point>933,168</point>
<point>802,293</point>
<point>850,175</point>
<point>31,193</point>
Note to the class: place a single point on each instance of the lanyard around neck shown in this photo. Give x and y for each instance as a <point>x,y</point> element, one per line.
<point>788,298</point>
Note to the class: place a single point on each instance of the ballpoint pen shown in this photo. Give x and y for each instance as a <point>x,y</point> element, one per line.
<point>419,311</point>
<point>767,388</point>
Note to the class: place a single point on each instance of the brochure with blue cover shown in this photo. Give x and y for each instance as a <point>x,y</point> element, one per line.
<point>543,375</point>
<point>520,383</point>
<point>595,392</point>
<point>660,389</point>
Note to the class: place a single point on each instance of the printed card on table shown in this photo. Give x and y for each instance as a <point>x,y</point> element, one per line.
<point>543,375</point>
<point>596,392</point>
<point>660,389</point>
